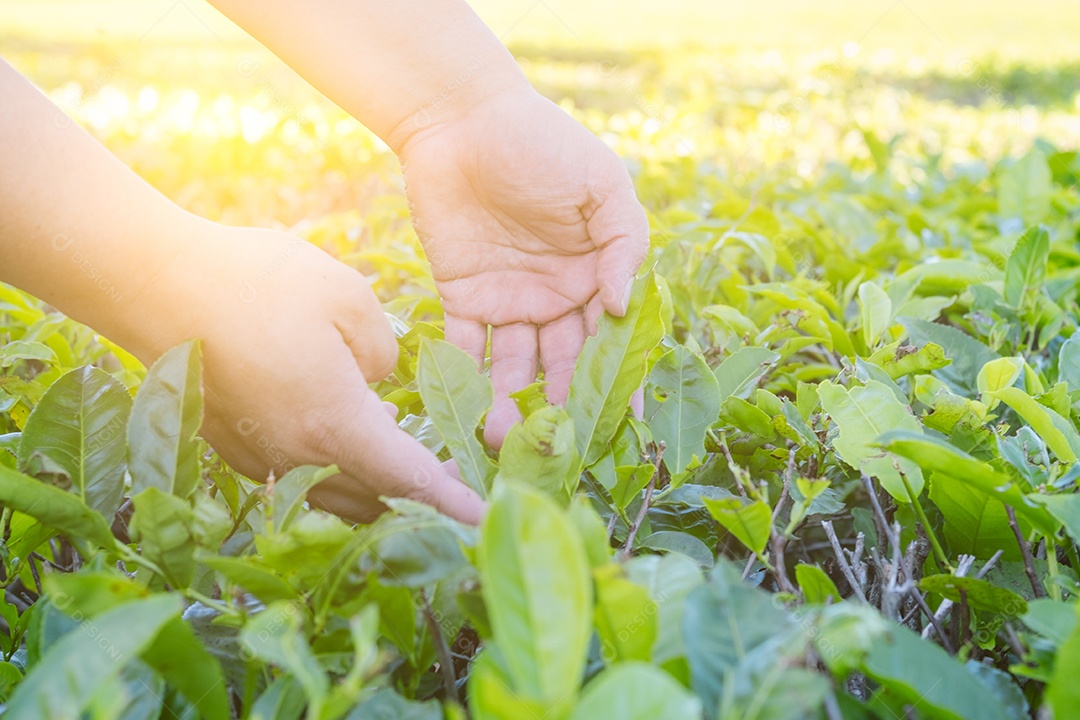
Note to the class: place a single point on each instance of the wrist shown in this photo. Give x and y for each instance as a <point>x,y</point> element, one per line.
<point>472,85</point>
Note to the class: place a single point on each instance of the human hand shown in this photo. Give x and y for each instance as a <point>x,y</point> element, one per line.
<point>531,226</point>
<point>291,338</point>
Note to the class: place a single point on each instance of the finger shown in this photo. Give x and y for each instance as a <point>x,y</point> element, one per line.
<point>560,345</point>
<point>469,336</point>
<point>620,229</point>
<point>365,328</point>
<point>391,409</point>
<point>593,311</point>
<point>637,403</point>
<point>370,446</point>
<point>513,366</point>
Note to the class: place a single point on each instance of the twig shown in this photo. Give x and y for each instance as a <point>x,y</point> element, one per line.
<point>628,546</point>
<point>611,524</point>
<point>989,565</point>
<point>446,659</point>
<point>880,521</point>
<point>37,577</point>
<point>778,541</point>
<point>935,622</point>
<point>1025,551</point>
<point>845,567</point>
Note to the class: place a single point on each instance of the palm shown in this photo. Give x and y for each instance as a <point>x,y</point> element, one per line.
<point>531,227</point>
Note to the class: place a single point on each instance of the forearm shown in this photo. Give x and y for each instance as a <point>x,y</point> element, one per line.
<point>397,66</point>
<point>77,227</point>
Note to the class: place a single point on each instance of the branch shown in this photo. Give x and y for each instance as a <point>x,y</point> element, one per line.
<point>446,659</point>
<point>845,567</point>
<point>1025,551</point>
<point>628,546</point>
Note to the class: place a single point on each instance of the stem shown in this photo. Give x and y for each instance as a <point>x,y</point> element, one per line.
<point>221,607</point>
<point>446,660</point>
<point>628,546</point>
<point>942,559</point>
<point>1052,563</point>
<point>845,567</point>
<point>1025,551</point>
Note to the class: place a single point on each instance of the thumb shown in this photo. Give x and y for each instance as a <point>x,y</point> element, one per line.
<point>365,329</point>
<point>392,463</point>
<point>620,229</point>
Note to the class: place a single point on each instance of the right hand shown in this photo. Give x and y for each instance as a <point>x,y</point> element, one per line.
<point>291,339</point>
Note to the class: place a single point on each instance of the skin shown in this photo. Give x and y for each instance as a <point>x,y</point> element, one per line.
<point>529,221</point>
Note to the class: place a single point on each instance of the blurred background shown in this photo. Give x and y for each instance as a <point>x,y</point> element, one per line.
<point>708,101</point>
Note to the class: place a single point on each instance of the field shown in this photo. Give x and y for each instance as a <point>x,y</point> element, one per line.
<point>853,491</point>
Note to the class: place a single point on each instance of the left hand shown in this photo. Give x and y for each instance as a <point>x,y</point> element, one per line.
<point>532,227</point>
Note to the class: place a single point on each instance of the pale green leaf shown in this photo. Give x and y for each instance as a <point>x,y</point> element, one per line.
<point>636,691</point>
<point>611,368</point>
<point>681,403</point>
<point>863,415</point>
<point>875,311</point>
<point>538,593</point>
<point>457,396</point>
<point>165,417</point>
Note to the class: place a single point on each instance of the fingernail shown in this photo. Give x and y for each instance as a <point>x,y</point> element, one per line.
<point>626,295</point>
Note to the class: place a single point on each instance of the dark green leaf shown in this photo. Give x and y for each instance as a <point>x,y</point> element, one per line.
<point>80,424</point>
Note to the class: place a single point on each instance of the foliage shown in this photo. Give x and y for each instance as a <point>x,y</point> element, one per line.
<point>852,492</point>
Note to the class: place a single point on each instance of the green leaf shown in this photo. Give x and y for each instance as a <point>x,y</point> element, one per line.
<point>751,524</point>
<point>252,575</point>
<point>863,415</point>
<point>636,691</point>
<point>999,374</point>
<point>975,521</point>
<point>63,682</point>
<point>165,417</point>
<point>541,451</point>
<point>1069,362</point>
<point>1025,188</point>
<point>817,587</point>
<point>625,617</point>
<point>1065,508</point>
<point>682,543</point>
<point>726,622</point>
<point>630,481</point>
<point>968,355</point>
<point>737,375</point>
<point>1058,433</point>
<point>937,456</point>
<point>681,404</point>
<point>538,593</point>
<point>611,368</point>
<point>54,507</point>
<point>457,396</point>
<point>79,424</point>
<point>923,674</point>
<point>1025,271</point>
<point>291,490</point>
<point>1063,692</point>
<point>276,636</point>
<point>178,657</point>
<point>17,350</point>
<point>875,311</point>
<point>162,526</point>
<point>980,594</point>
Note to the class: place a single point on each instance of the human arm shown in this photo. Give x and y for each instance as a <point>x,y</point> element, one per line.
<point>529,221</point>
<point>291,336</point>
